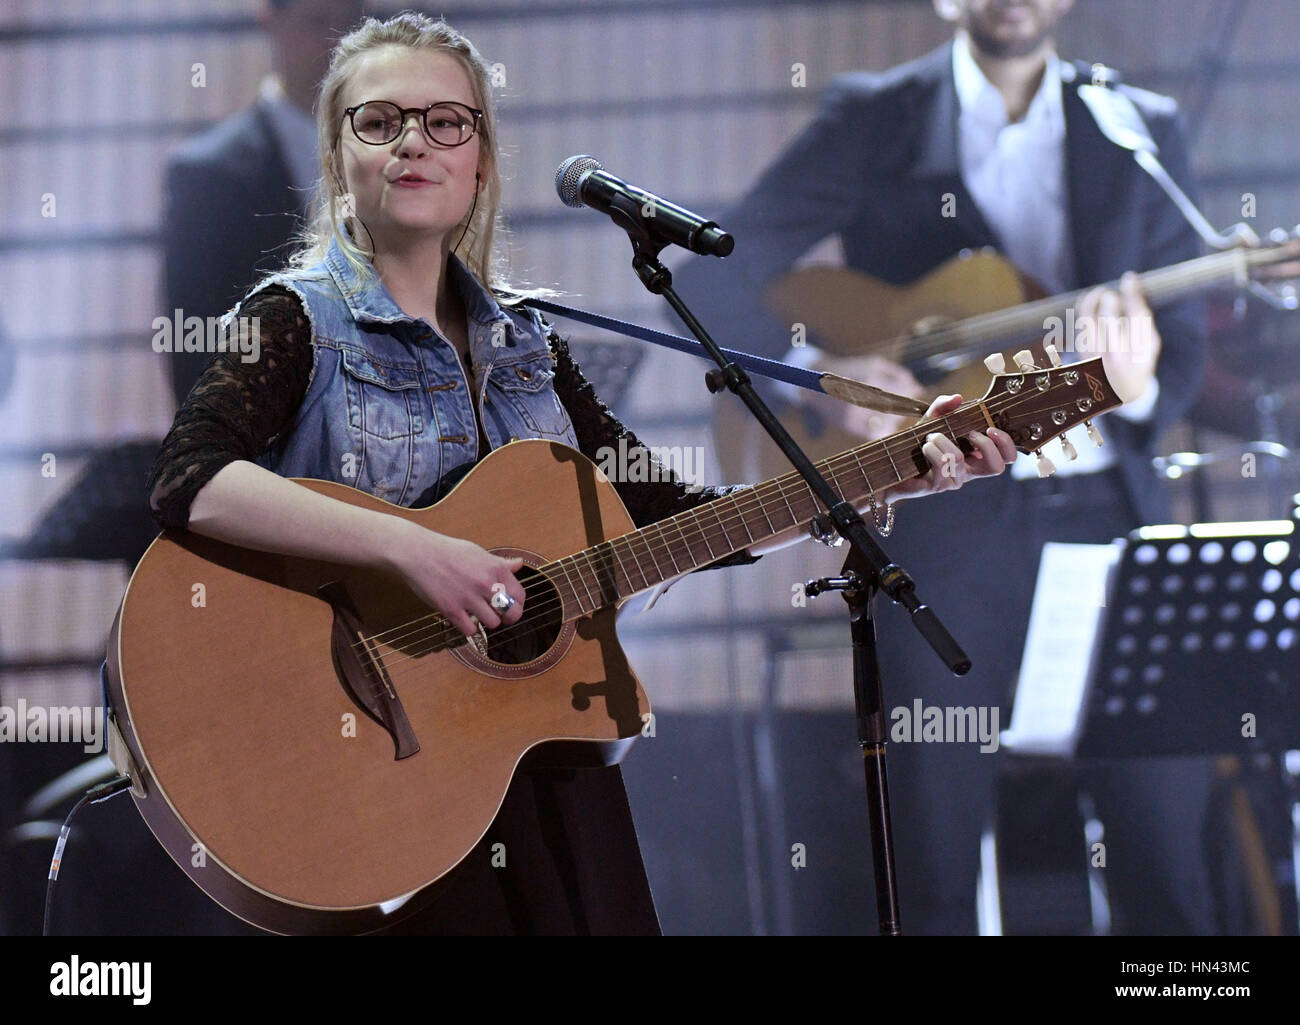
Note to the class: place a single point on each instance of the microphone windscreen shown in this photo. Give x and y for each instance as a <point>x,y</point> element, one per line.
<point>569,175</point>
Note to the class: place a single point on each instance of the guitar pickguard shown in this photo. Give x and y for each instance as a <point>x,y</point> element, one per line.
<point>362,671</point>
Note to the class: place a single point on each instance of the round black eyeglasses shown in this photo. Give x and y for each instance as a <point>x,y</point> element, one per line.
<point>446,124</point>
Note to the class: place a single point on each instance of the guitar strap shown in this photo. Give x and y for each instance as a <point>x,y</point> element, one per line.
<point>839,387</point>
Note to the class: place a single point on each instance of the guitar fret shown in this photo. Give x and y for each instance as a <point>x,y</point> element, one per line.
<point>697,560</point>
<point>713,507</point>
<point>828,472</point>
<point>690,555</point>
<point>601,571</point>
<point>862,469</point>
<point>722,527</point>
<point>578,574</point>
<point>893,464</point>
<point>631,587</point>
<point>748,533</point>
<point>568,583</point>
<point>793,518</point>
<point>659,573</point>
<point>669,548</point>
<point>762,507</point>
<point>704,536</point>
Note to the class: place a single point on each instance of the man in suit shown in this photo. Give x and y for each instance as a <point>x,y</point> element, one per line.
<point>237,193</point>
<point>986,142</point>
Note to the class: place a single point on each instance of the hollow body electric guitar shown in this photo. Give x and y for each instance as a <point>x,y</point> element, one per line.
<point>316,748</point>
<point>940,327</point>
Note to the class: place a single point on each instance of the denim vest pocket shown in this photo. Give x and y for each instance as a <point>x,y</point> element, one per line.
<point>525,386</point>
<point>383,397</point>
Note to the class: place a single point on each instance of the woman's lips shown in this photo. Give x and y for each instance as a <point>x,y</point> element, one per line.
<point>411,183</point>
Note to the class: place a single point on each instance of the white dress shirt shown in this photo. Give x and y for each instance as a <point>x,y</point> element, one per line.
<point>1015,172</point>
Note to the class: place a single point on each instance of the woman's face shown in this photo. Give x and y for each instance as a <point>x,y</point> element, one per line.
<point>389,209</point>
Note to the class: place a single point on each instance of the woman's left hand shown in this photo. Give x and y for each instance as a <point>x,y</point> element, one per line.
<point>949,469</point>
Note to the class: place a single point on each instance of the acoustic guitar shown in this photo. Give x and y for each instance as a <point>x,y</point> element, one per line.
<point>941,325</point>
<point>316,748</point>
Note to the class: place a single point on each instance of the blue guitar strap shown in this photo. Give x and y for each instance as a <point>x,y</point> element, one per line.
<point>770,368</point>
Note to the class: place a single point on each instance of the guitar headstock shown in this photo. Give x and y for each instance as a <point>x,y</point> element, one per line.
<point>1035,405</point>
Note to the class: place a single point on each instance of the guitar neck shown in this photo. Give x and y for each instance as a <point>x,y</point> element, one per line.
<point>975,335</point>
<point>613,570</point>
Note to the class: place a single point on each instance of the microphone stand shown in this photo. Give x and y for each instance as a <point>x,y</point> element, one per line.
<point>867,570</point>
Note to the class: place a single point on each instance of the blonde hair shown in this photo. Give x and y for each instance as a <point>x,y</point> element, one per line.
<point>416,32</point>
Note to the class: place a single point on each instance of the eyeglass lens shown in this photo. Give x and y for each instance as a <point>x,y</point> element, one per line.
<point>379,122</point>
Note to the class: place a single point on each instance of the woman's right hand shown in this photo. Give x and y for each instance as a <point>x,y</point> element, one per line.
<point>456,577</point>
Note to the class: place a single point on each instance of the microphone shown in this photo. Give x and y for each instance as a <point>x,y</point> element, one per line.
<point>581,181</point>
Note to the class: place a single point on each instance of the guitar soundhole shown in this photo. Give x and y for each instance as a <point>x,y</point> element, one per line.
<point>535,634</point>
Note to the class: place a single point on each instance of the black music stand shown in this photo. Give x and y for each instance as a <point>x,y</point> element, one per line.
<point>1201,629</point>
<point>1197,652</point>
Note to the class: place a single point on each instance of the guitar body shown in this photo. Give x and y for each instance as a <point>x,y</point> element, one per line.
<point>849,313</point>
<point>257,764</point>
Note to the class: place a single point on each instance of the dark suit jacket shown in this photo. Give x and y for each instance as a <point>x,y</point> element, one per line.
<point>874,167</point>
<point>230,210</point>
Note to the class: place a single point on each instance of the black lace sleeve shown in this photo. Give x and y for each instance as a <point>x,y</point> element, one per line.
<point>597,428</point>
<point>235,409</point>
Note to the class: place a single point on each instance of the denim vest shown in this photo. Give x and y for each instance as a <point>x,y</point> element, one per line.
<point>388,407</point>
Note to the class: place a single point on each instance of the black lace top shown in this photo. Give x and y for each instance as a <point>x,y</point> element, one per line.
<point>237,409</point>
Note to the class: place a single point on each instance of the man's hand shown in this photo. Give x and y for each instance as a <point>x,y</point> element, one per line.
<point>1123,329</point>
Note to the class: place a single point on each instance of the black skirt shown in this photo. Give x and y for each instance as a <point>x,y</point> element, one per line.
<point>560,859</point>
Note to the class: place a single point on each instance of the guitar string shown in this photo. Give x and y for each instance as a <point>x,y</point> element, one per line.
<point>445,630</point>
<point>450,631</point>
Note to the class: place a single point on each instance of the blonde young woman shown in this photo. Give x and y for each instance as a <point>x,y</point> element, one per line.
<point>392,361</point>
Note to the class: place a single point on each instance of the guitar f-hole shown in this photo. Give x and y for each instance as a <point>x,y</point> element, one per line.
<point>362,671</point>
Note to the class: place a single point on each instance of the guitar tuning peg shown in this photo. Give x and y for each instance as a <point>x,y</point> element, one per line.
<point>1093,433</point>
<point>1045,466</point>
<point>1024,359</point>
<point>1070,453</point>
<point>1052,355</point>
<point>997,363</point>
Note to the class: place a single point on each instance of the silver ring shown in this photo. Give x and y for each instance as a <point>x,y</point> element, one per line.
<point>501,601</point>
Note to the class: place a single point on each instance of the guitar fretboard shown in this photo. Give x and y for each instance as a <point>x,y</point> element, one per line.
<point>621,567</point>
<point>974,335</point>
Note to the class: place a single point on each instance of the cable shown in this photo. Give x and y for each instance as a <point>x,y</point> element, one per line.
<point>96,794</point>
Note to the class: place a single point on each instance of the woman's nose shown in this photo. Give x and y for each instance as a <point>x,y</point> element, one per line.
<point>412,137</point>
